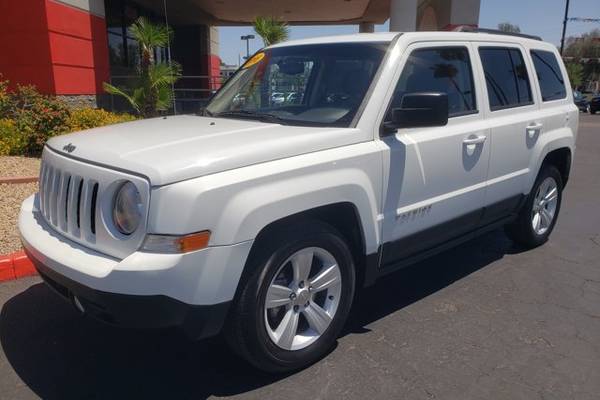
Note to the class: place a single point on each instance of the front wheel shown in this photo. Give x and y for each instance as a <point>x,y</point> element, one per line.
<point>292,307</point>
<point>539,214</point>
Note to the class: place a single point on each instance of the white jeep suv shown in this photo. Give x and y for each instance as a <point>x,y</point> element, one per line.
<point>262,218</point>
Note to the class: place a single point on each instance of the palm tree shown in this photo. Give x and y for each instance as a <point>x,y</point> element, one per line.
<point>271,30</point>
<point>152,91</point>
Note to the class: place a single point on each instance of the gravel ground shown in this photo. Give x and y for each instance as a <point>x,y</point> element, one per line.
<point>11,197</point>
<point>19,166</point>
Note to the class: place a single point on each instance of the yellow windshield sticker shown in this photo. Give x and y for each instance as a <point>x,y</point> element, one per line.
<point>254,60</point>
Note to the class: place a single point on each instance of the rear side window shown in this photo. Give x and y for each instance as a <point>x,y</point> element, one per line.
<point>506,77</point>
<point>552,83</point>
<point>439,69</point>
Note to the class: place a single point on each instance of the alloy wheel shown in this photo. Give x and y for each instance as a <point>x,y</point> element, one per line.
<point>302,298</point>
<point>544,206</point>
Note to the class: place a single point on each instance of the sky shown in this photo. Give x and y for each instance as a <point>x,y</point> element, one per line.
<point>537,17</point>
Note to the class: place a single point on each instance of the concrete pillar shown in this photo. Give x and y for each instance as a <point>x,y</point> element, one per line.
<point>447,14</point>
<point>464,12</point>
<point>366,27</point>
<point>213,59</point>
<point>403,15</point>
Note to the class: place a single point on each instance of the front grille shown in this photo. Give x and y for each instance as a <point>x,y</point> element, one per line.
<point>68,201</point>
<point>75,199</point>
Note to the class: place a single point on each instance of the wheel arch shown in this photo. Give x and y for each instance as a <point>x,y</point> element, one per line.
<point>343,216</point>
<point>561,159</point>
<point>556,148</point>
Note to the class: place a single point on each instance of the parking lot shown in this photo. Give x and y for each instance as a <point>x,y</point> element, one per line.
<point>483,321</point>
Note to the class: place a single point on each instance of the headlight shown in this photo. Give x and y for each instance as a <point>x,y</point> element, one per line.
<point>127,211</point>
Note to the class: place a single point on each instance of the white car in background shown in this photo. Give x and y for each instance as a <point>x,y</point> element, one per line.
<point>263,221</point>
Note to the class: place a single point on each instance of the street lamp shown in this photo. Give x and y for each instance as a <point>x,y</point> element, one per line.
<point>247,39</point>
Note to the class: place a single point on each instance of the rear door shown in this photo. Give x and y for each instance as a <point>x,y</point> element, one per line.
<point>557,109</point>
<point>514,120</point>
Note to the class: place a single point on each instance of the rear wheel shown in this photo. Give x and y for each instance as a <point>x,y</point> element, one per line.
<point>294,304</point>
<point>538,216</point>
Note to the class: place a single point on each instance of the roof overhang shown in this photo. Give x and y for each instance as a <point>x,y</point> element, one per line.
<point>243,12</point>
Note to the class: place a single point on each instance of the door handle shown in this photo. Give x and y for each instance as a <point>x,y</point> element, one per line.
<point>534,128</point>
<point>474,140</point>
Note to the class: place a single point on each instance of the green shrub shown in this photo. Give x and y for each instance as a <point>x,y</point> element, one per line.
<point>87,118</point>
<point>38,117</point>
<point>5,99</point>
<point>12,142</point>
<point>29,118</point>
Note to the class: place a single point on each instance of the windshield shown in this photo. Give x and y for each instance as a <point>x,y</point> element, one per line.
<point>320,85</point>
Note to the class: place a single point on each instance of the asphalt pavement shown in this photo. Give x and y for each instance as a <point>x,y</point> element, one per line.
<point>485,320</point>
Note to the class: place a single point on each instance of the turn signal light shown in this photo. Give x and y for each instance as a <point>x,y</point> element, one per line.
<point>176,244</point>
<point>195,241</point>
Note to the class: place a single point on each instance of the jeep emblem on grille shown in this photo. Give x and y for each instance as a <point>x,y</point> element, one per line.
<point>69,148</point>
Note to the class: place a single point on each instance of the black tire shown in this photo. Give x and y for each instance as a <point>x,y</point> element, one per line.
<point>246,332</point>
<point>521,230</point>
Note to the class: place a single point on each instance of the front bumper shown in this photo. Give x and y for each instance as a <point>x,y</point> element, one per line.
<point>133,311</point>
<point>191,290</point>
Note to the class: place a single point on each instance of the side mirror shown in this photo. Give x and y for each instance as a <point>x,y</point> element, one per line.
<point>419,110</point>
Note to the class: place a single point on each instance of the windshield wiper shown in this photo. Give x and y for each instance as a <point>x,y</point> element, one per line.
<point>263,117</point>
<point>204,113</point>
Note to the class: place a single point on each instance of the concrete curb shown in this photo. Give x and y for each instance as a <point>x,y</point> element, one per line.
<point>18,179</point>
<point>15,265</point>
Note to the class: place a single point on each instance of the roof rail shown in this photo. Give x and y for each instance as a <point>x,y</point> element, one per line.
<point>465,28</point>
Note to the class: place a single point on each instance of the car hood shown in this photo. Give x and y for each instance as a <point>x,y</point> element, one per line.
<point>172,149</point>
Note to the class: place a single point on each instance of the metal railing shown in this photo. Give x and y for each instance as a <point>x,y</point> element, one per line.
<point>191,92</point>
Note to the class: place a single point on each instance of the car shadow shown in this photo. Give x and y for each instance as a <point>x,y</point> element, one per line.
<point>61,355</point>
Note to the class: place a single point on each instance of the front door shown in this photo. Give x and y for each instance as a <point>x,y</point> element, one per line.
<point>436,176</point>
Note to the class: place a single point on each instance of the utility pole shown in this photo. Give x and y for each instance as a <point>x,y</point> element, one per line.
<point>564,30</point>
<point>247,39</point>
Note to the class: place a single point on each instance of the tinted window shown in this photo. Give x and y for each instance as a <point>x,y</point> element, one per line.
<point>444,69</point>
<point>549,76</point>
<point>506,77</point>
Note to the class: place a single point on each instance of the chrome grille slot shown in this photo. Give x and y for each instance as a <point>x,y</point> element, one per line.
<point>61,203</point>
<point>93,208</point>
<point>74,196</point>
<point>73,205</point>
<point>54,183</point>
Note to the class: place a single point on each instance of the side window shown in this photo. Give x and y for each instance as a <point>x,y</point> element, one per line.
<point>506,77</point>
<point>552,83</point>
<point>439,69</point>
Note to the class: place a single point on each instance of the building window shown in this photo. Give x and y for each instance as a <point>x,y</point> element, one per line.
<point>124,52</point>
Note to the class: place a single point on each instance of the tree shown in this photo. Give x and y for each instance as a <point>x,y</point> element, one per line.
<point>152,91</point>
<point>585,46</point>
<point>575,72</point>
<point>271,30</point>
<point>508,27</point>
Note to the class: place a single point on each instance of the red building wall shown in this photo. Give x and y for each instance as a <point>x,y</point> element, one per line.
<point>58,48</point>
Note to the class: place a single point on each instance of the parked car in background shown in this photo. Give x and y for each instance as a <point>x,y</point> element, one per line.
<point>581,102</point>
<point>293,98</point>
<point>594,104</point>
<point>263,221</point>
<point>278,98</point>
